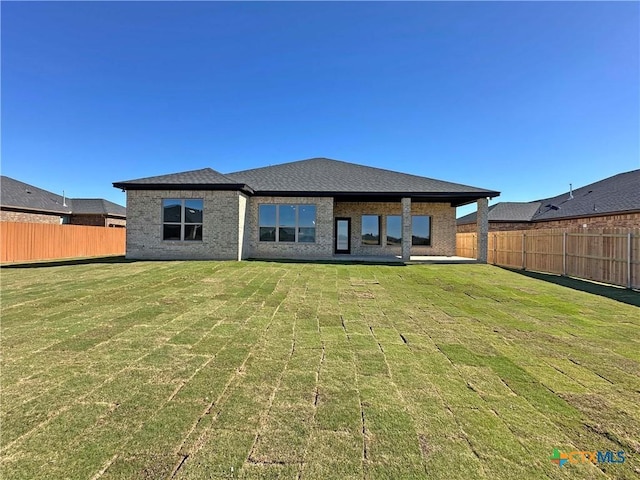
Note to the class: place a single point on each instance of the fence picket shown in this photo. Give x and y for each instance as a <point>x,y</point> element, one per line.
<point>606,255</point>
<point>24,242</point>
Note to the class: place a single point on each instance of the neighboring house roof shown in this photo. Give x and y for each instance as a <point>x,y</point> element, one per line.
<point>93,206</point>
<point>505,212</point>
<point>318,177</point>
<point>616,194</point>
<point>620,193</point>
<point>20,195</point>
<point>17,194</point>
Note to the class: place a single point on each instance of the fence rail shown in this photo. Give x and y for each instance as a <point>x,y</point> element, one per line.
<point>605,255</point>
<point>24,242</point>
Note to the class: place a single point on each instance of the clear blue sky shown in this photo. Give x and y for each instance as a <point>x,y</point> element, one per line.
<point>520,97</point>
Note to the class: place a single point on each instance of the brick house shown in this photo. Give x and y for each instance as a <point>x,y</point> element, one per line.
<point>609,203</point>
<point>317,209</point>
<point>21,202</point>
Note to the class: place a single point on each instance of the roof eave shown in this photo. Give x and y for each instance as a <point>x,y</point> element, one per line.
<point>36,210</point>
<point>470,196</point>
<point>184,186</point>
<point>456,198</point>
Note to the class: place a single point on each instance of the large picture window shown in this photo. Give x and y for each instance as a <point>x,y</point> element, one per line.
<point>182,219</point>
<point>287,223</point>
<point>394,230</point>
<point>370,230</point>
<point>421,230</point>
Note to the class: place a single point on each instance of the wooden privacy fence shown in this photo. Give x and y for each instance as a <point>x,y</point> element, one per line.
<point>604,255</point>
<point>24,242</point>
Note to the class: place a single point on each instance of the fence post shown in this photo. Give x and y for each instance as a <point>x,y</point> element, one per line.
<point>475,243</point>
<point>629,282</point>
<point>524,251</point>
<point>564,254</point>
<point>495,248</point>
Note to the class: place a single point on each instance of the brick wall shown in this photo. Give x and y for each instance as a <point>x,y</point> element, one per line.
<point>230,227</point>
<point>443,226</point>
<point>28,217</point>
<point>97,220</point>
<point>86,219</point>
<point>220,238</point>
<point>114,221</point>
<point>54,219</point>
<point>323,246</point>
<point>623,220</point>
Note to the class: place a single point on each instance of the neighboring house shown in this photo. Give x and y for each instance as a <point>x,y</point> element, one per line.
<point>21,202</point>
<point>315,208</point>
<point>612,202</point>
<point>97,212</point>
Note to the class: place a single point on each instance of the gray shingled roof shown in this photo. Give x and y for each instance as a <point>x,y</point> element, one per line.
<point>204,176</point>
<point>316,176</point>
<point>14,193</point>
<point>17,194</point>
<point>619,193</point>
<point>506,212</point>
<point>97,206</point>
<point>326,175</point>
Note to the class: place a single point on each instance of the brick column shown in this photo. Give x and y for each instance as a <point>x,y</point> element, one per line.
<point>406,229</point>
<point>482,237</point>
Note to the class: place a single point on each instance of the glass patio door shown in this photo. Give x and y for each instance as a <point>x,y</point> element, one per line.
<point>343,235</point>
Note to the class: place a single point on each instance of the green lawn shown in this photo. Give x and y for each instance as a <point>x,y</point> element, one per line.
<point>196,370</point>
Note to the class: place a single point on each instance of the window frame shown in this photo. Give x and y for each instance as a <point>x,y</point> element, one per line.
<point>296,224</point>
<point>183,220</point>
<point>362,242</point>
<point>430,239</point>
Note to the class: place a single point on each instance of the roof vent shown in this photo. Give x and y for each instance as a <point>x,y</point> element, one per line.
<point>64,200</point>
<point>570,192</point>
<point>552,207</point>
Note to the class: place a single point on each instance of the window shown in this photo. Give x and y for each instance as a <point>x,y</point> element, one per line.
<point>394,230</point>
<point>267,222</point>
<point>421,230</point>
<point>287,223</point>
<point>306,223</point>
<point>182,219</point>
<point>370,230</point>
